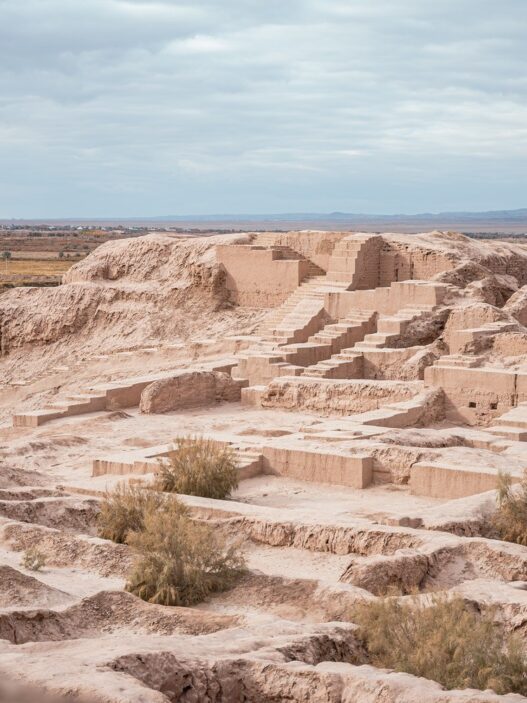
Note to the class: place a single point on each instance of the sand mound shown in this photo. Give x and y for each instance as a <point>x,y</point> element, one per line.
<point>494,290</point>
<point>517,305</point>
<point>127,293</point>
<point>18,589</point>
<point>65,513</point>
<point>188,389</point>
<point>422,438</point>
<point>108,612</point>
<point>66,550</point>
<point>29,493</point>
<point>13,477</point>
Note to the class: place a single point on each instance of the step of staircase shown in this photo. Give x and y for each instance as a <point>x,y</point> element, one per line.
<point>376,340</point>
<point>516,434</point>
<point>517,417</point>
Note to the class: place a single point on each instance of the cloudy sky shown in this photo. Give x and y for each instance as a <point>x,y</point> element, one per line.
<point>159,107</point>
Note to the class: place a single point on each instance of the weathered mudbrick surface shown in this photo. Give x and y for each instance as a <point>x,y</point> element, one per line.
<point>372,388</point>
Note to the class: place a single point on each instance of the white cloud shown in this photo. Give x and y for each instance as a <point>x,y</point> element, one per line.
<point>137,107</point>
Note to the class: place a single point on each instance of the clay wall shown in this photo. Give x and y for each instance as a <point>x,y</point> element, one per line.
<point>258,277</point>
<point>355,260</point>
<point>125,396</point>
<point>316,246</point>
<point>368,265</point>
<point>477,395</point>
<point>335,397</point>
<point>319,466</point>
<point>401,262</point>
<point>386,301</point>
<point>462,341</point>
<point>450,483</point>
<point>509,266</point>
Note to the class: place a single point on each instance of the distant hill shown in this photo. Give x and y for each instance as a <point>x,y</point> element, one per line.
<point>491,215</point>
<point>502,222</point>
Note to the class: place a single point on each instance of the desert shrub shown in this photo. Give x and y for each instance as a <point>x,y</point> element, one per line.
<point>199,467</point>
<point>33,559</point>
<point>180,562</point>
<point>123,510</point>
<point>442,640</point>
<point>510,519</point>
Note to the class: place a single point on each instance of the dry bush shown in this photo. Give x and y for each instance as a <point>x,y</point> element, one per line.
<point>33,559</point>
<point>510,519</point>
<point>199,467</point>
<point>180,562</point>
<point>123,510</point>
<point>444,641</point>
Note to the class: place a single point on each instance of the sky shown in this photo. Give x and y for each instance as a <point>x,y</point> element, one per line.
<point>141,108</point>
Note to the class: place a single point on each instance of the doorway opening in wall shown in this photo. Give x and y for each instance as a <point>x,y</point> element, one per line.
<point>472,404</point>
<point>493,406</point>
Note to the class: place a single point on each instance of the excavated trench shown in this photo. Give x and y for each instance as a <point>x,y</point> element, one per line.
<point>270,675</point>
<point>319,538</point>
<point>441,569</point>
<point>295,599</point>
<point>28,493</point>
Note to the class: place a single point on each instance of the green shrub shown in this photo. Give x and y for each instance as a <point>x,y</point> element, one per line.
<point>33,559</point>
<point>444,641</point>
<point>123,510</point>
<point>180,562</point>
<point>510,519</point>
<point>199,467</point>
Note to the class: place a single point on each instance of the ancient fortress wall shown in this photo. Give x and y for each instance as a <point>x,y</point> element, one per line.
<point>262,275</point>
<point>386,300</point>
<point>400,262</point>
<point>319,466</point>
<point>315,246</point>
<point>355,261</point>
<point>477,395</point>
<point>259,278</point>
<point>339,397</point>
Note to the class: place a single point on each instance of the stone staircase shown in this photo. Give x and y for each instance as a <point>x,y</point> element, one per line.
<point>269,241</point>
<point>298,317</point>
<point>343,362</point>
<point>72,405</point>
<point>346,364</point>
<point>396,415</point>
<point>347,332</point>
<point>391,329</point>
<point>512,424</point>
<point>355,261</point>
<point>115,395</point>
<point>297,334</point>
<point>286,253</point>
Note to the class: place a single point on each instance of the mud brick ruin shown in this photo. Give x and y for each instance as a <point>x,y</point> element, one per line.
<point>372,386</point>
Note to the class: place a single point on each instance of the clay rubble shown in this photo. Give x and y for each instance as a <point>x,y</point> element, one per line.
<point>372,387</point>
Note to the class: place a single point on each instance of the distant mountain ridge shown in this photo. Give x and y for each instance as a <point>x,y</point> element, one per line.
<point>499,215</point>
<point>502,222</point>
